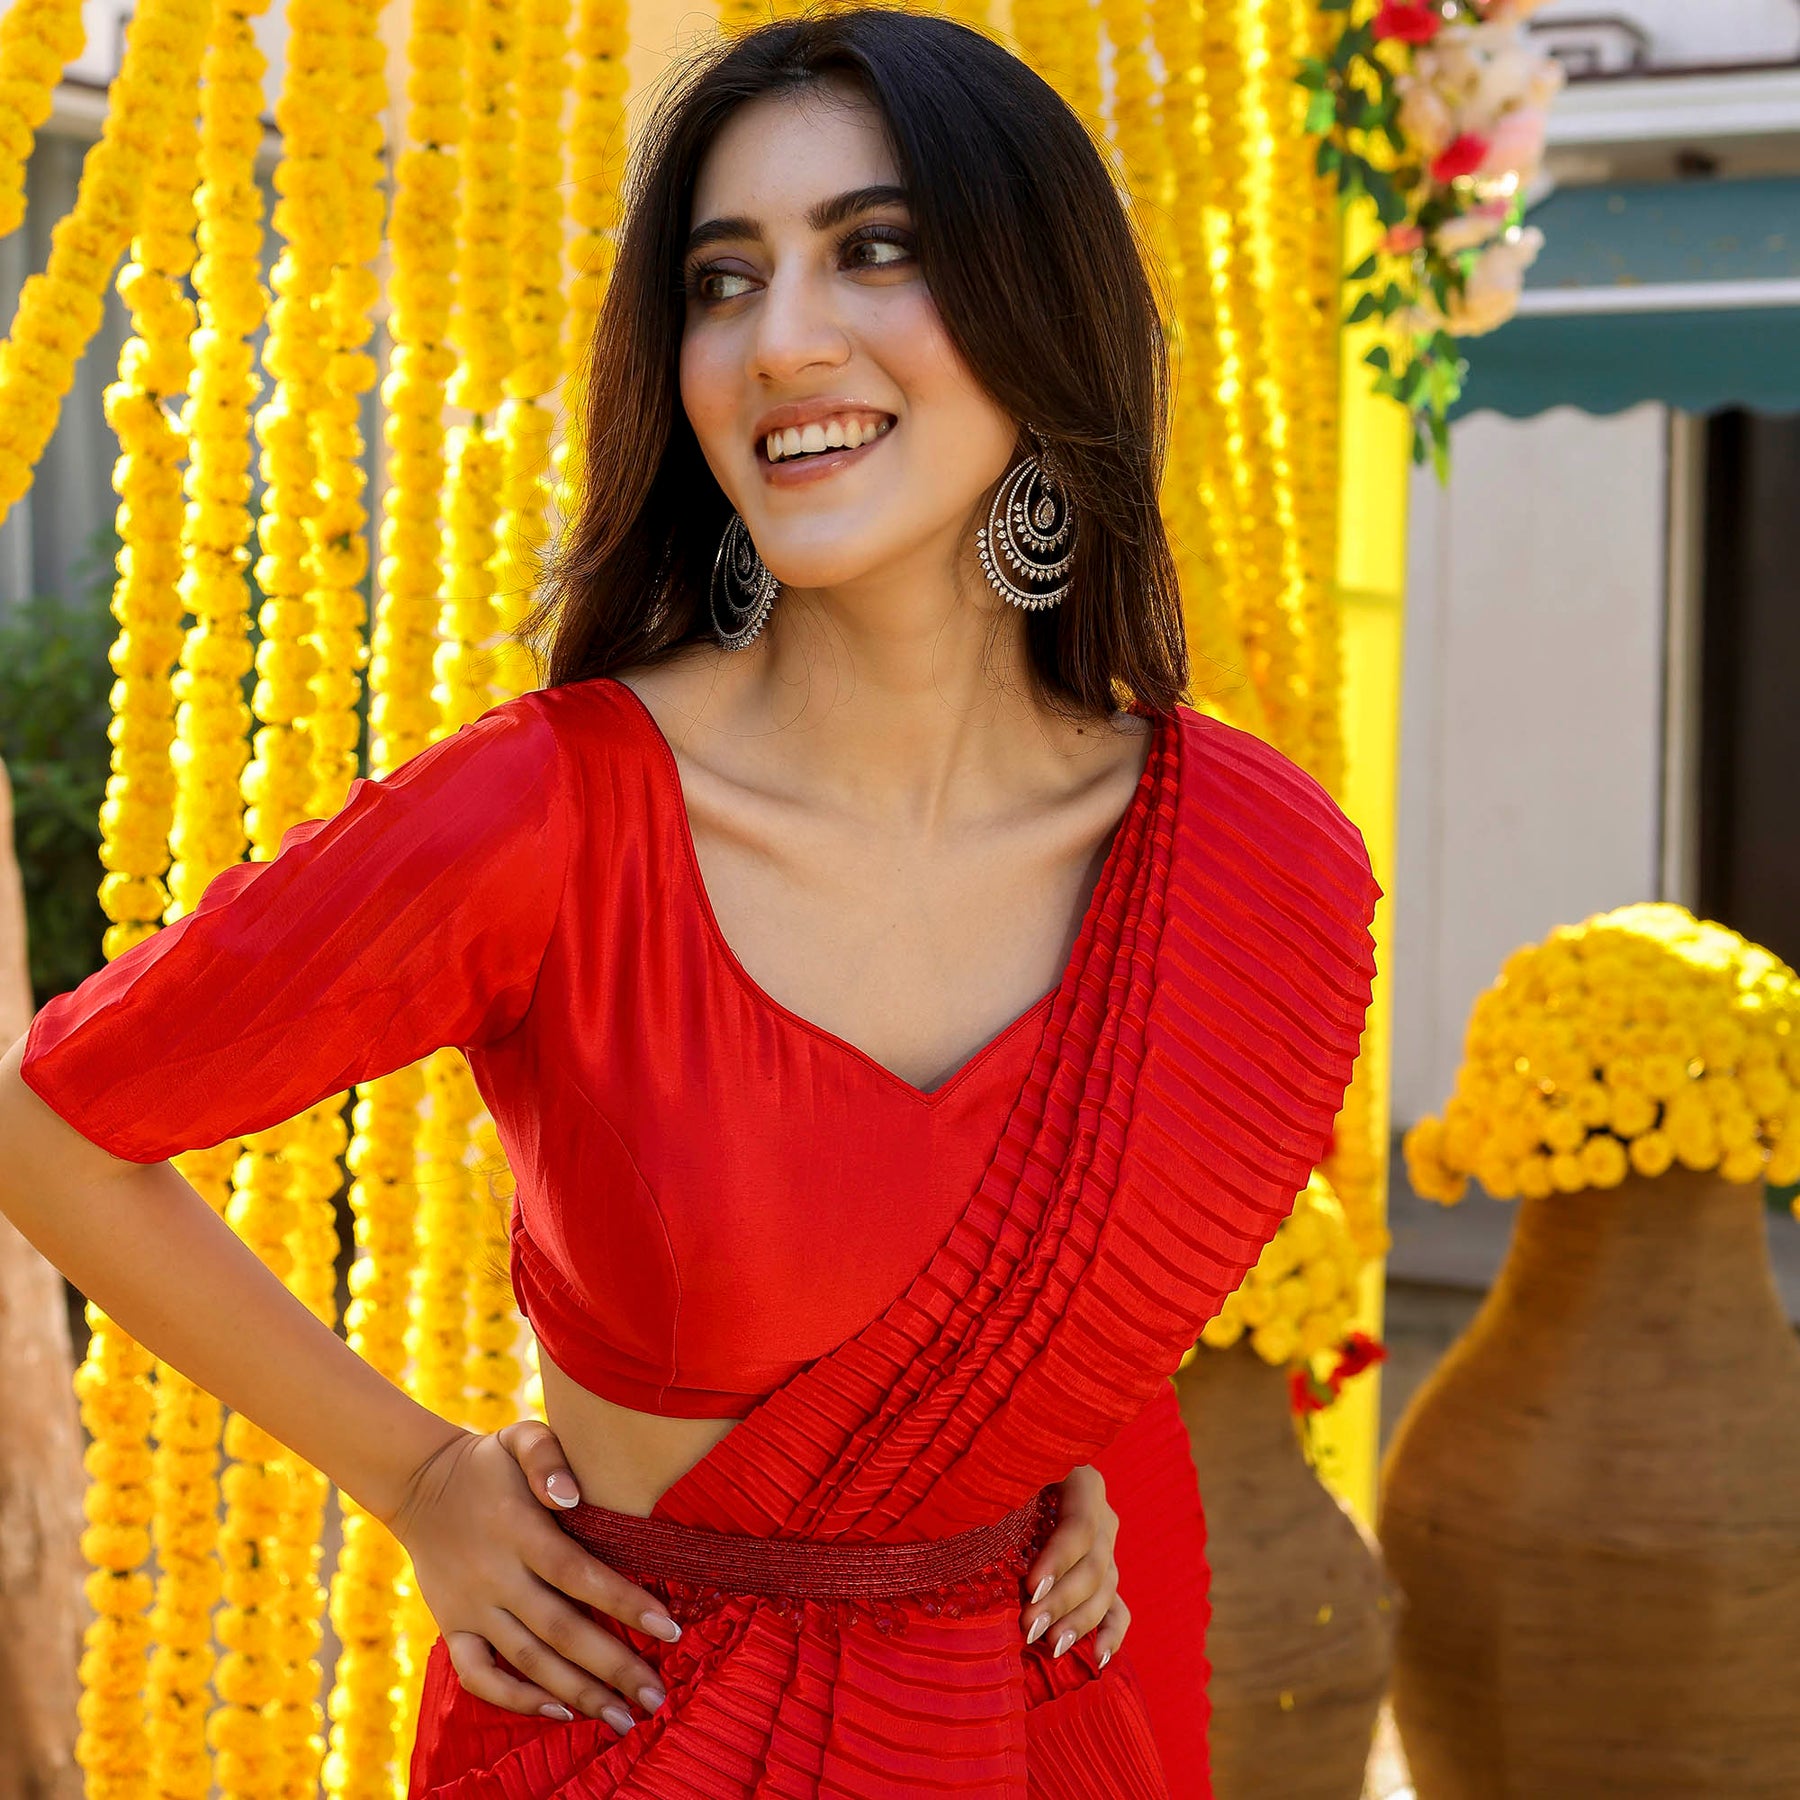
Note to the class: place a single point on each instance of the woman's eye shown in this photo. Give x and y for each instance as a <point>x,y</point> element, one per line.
<point>880,237</point>
<point>698,288</point>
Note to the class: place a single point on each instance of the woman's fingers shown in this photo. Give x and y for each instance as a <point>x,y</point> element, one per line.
<point>1112,1630</point>
<point>1093,1577</point>
<point>566,1681</point>
<point>1076,1556</point>
<point>472,1658</point>
<point>538,1452</point>
<point>1087,1609</point>
<point>591,1648</point>
<point>571,1570</point>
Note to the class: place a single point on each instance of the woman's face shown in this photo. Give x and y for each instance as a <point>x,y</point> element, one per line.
<point>806,308</point>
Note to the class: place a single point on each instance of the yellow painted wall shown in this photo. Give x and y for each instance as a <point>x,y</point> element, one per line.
<point>1377,439</point>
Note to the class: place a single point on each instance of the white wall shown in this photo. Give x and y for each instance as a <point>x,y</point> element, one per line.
<point>1698,31</point>
<point>1530,782</point>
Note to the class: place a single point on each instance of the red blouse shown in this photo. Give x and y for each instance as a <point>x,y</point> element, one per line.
<point>711,1191</point>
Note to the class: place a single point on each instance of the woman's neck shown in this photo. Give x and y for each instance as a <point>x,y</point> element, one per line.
<point>915,714</point>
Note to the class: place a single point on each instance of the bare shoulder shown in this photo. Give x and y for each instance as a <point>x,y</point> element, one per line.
<point>681,691</point>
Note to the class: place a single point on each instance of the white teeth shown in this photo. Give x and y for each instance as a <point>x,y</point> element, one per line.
<point>827,434</point>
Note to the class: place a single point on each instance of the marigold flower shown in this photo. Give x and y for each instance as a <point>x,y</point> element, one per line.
<point>1638,1039</point>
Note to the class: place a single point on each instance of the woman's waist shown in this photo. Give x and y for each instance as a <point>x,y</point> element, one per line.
<point>692,1568</point>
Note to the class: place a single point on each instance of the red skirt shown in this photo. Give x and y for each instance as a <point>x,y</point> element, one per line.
<point>858,1671</point>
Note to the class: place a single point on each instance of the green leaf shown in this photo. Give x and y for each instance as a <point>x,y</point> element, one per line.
<point>1380,358</point>
<point>1312,73</point>
<point>1329,160</point>
<point>1364,269</point>
<point>1321,112</point>
<point>1365,308</point>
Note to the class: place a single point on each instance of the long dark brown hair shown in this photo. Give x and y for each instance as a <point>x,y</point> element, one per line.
<point>1043,285</point>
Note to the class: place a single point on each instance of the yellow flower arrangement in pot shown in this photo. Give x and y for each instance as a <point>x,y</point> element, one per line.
<point>1301,1633</point>
<point>1638,1040</point>
<point>1594,1502</point>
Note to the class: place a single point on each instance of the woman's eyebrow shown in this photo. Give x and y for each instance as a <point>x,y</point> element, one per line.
<point>827,213</point>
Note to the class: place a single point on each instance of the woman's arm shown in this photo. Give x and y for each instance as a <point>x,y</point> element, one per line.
<point>140,1243</point>
<point>147,1249</point>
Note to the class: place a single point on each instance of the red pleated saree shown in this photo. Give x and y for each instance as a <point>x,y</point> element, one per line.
<point>1192,1065</point>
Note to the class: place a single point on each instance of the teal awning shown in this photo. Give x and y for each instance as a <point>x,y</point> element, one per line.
<point>1683,292</point>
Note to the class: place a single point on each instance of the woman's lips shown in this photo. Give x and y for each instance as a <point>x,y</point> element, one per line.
<point>798,471</point>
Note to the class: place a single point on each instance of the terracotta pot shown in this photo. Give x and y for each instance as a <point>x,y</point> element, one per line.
<point>1593,1511</point>
<point>1301,1634</point>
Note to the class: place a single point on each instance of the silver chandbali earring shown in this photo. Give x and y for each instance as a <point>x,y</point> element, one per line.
<point>1027,547</point>
<point>747,584</point>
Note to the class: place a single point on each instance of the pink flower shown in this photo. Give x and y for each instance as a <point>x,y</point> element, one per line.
<point>1463,155</point>
<point>1411,21</point>
<point>1402,238</point>
<point>1471,229</point>
<point>1517,144</point>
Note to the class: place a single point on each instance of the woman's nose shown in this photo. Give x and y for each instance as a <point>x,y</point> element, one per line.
<point>797,326</point>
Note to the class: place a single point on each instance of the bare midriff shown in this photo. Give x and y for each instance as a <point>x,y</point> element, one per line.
<point>622,1459</point>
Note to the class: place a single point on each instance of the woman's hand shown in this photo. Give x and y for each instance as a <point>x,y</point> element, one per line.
<point>1075,1583</point>
<point>500,1576</point>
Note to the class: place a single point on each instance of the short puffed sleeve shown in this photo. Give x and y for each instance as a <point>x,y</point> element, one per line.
<point>417,916</point>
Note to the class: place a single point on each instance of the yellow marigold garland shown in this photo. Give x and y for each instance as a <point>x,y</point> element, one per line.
<point>1198,453</point>
<point>209,753</point>
<point>154,367</point>
<point>494,1372</point>
<point>1230,54</point>
<point>212,722</point>
<point>438,1336</point>
<point>269,1498</point>
<point>337,560</point>
<point>596,160</point>
<point>60,309</point>
<point>1640,1038</point>
<point>381,1669</point>
<point>113,1387</point>
<point>535,310</point>
<point>38,40</point>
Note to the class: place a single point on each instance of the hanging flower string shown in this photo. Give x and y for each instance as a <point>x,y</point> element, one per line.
<point>60,309</point>
<point>1437,112</point>
<point>38,40</point>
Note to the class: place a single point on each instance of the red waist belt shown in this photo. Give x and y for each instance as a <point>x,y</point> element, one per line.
<point>989,1557</point>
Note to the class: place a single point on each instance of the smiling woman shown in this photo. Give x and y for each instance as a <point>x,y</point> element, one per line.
<point>858,179</point>
<point>905,1018</point>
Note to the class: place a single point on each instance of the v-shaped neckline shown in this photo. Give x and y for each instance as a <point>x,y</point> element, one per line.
<point>926,1097</point>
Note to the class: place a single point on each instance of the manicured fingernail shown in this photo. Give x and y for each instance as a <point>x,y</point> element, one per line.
<point>650,1696</point>
<point>554,1709</point>
<point>1043,1587</point>
<point>660,1625</point>
<point>562,1489</point>
<point>1063,1642</point>
<point>1039,1626</point>
<point>1105,1658</point>
<point>618,1718</point>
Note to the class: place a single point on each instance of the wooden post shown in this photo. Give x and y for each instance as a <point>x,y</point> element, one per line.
<point>41,1480</point>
